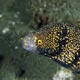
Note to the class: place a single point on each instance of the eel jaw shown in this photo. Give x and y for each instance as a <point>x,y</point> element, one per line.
<point>29,42</point>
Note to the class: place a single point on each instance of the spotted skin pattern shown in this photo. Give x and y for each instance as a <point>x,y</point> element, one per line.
<point>61,43</point>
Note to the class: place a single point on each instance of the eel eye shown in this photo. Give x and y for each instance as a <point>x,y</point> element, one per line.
<point>39,42</point>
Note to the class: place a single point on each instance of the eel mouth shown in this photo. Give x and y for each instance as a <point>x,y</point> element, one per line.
<point>29,42</point>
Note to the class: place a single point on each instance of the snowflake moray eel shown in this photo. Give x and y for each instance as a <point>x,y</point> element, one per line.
<point>60,42</point>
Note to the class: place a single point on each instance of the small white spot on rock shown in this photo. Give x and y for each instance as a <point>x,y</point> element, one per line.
<point>5,30</point>
<point>12,22</point>
<point>44,4</point>
<point>16,47</point>
<point>16,14</point>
